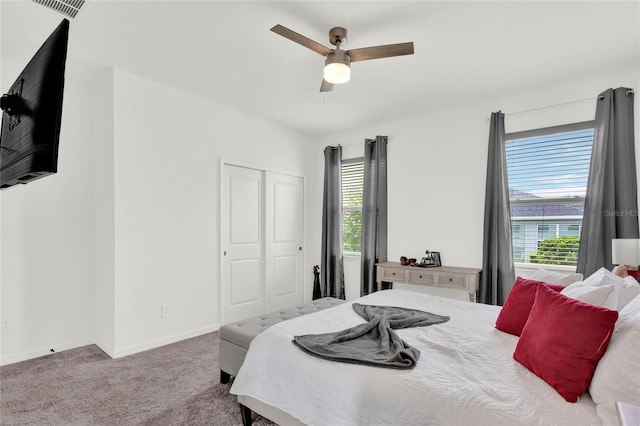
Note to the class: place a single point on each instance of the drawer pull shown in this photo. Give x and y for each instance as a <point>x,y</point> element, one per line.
<point>450,279</point>
<point>420,276</point>
<point>393,273</point>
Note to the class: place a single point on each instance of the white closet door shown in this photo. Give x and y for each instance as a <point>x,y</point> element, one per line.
<point>284,227</point>
<point>242,219</point>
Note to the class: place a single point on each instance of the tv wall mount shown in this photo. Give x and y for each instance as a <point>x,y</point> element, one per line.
<point>13,104</point>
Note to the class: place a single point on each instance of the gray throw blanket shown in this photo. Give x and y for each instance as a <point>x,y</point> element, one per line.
<point>372,343</point>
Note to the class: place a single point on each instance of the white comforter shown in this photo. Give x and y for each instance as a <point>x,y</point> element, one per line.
<point>466,374</point>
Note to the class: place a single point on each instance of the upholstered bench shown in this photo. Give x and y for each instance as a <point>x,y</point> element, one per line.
<point>236,337</point>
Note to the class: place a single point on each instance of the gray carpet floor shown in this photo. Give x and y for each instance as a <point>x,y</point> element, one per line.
<point>177,384</point>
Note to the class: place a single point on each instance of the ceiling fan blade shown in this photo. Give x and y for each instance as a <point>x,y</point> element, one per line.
<point>375,52</point>
<point>300,39</point>
<point>326,86</point>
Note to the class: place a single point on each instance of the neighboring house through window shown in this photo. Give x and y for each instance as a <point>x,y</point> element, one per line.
<point>352,185</point>
<point>548,171</point>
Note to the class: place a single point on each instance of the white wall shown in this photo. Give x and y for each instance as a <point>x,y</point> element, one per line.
<point>47,259</point>
<point>437,164</point>
<point>167,148</point>
<point>104,212</point>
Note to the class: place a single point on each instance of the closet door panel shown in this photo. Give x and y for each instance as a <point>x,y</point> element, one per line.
<point>284,207</point>
<point>242,218</point>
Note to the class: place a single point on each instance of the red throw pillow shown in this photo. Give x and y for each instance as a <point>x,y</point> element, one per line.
<point>515,312</point>
<point>563,341</point>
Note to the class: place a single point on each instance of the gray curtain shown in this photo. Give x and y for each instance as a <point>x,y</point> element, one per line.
<point>498,273</point>
<point>331,268</point>
<point>374,212</point>
<point>611,203</point>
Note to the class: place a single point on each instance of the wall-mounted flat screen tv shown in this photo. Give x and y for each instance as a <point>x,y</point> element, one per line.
<point>32,114</point>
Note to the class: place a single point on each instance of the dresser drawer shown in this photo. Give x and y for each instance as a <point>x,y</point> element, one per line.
<point>421,277</point>
<point>451,280</point>
<point>393,274</point>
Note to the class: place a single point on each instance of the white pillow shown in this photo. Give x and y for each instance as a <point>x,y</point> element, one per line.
<point>557,278</point>
<point>617,375</point>
<point>628,291</point>
<point>626,288</point>
<point>604,296</point>
<point>603,277</point>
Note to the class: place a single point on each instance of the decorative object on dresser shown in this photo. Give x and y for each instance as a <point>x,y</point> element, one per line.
<point>431,259</point>
<point>407,262</point>
<point>626,251</point>
<point>466,279</point>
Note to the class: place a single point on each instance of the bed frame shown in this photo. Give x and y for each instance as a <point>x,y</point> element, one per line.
<point>248,404</point>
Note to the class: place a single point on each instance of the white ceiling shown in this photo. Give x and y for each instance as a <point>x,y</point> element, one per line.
<point>224,50</point>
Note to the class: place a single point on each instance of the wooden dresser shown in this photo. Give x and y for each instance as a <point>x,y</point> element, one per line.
<point>467,279</point>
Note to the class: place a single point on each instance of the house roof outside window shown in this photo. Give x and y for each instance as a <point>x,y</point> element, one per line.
<point>525,205</point>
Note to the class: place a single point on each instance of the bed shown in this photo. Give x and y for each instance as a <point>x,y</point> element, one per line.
<point>466,374</point>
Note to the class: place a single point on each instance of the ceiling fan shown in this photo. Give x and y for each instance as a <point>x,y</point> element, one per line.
<point>337,64</point>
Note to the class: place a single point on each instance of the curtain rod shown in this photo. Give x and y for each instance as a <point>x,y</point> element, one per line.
<point>627,93</point>
<point>343,145</point>
<point>352,144</point>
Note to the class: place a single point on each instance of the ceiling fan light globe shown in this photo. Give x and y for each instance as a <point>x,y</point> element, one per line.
<point>337,73</point>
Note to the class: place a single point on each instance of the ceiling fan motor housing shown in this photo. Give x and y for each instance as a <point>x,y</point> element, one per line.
<point>337,35</point>
<point>338,56</point>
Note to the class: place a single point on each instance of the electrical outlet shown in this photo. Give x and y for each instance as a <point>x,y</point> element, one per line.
<point>165,310</point>
<point>5,325</point>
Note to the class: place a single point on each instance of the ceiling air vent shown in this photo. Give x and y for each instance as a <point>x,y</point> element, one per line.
<point>68,8</point>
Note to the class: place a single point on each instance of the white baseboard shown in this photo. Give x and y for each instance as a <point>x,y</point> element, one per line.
<point>119,353</point>
<point>36,353</point>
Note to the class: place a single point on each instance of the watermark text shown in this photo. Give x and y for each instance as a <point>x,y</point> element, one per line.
<point>621,213</point>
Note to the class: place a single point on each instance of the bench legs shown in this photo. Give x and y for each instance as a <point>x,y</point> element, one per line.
<point>245,412</point>
<point>224,377</point>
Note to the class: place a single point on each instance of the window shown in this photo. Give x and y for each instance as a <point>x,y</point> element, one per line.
<point>547,231</point>
<point>548,171</point>
<point>517,235</point>
<point>352,184</point>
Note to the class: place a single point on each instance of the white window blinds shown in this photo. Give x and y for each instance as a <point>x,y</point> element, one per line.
<point>352,186</point>
<point>548,171</point>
